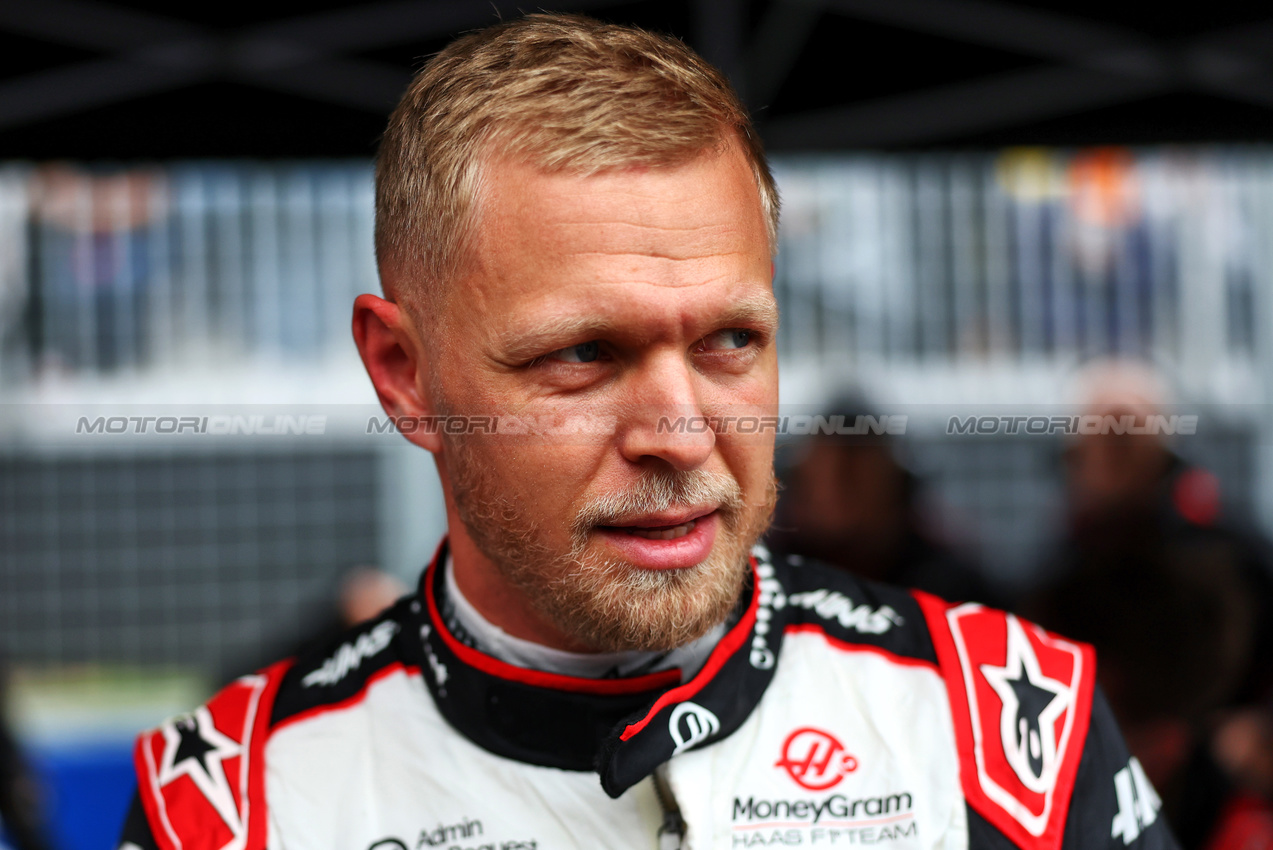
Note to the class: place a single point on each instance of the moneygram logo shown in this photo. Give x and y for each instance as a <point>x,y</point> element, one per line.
<point>816,760</point>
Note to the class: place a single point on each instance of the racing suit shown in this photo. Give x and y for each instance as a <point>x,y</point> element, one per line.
<point>833,712</point>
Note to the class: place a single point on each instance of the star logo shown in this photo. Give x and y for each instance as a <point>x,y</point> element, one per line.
<point>1032,704</point>
<point>1021,730</point>
<point>194,747</point>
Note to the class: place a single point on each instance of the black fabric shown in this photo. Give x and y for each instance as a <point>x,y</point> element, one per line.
<point>982,835</point>
<point>516,720</point>
<point>571,730</point>
<point>1203,792</point>
<point>519,721</point>
<point>1095,801</point>
<point>524,721</point>
<point>137,828</point>
<point>908,637</point>
<point>731,695</point>
<point>294,696</point>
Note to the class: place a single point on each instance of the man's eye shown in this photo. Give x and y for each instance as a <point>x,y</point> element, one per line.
<point>584,352</point>
<point>728,339</point>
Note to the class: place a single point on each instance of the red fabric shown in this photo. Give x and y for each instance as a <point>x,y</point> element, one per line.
<point>1245,824</point>
<point>211,796</point>
<point>975,645</point>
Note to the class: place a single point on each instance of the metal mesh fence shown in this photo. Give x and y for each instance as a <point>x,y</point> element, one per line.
<point>205,561</point>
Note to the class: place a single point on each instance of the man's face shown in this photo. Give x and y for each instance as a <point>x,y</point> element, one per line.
<point>1107,471</point>
<point>621,303</point>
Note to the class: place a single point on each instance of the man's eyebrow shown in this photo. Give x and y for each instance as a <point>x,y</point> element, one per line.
<point>518,345</point>
<point>753,310</point>
<point>550,335</point>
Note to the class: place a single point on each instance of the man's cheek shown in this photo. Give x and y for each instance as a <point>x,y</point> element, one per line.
<point>548,476</point>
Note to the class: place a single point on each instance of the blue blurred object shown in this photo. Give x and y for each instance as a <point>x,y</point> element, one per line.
<point>87,791</point>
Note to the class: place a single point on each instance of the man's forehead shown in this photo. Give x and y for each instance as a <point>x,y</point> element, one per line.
<point>519,199</point>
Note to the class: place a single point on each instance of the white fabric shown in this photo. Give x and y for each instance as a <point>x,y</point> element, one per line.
<point>406,778</point>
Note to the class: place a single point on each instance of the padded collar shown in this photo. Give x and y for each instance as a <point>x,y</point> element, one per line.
<point>622,728</point>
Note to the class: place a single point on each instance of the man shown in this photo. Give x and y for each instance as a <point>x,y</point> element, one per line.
<point>575,226</point>
<point>1126,488</point>
<point>1168,663</point>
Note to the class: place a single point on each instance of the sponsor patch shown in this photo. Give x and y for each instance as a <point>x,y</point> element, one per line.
<point>1021,699</point>
<point>351,655</point>
<point>834,605</point>
<point>1138,803</point>
<point>772,599</point>
<point>815,759</point>
<point>691,724</point>
<point>200,773</point>
<point>837,820</point>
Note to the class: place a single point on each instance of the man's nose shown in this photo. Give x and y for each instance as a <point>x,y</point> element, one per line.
<point>664,419</point>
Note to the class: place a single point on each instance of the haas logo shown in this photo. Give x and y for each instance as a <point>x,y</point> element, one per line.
<point>816,760</point>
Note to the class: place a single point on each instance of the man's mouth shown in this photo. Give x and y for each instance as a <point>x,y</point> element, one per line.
<point>670,532</point>
<point>666,526</point>
<point>672,539</point>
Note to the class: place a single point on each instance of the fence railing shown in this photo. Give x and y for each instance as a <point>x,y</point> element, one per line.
<point>928,262</point>
<point>1033,257</point>
<point>190,264</point>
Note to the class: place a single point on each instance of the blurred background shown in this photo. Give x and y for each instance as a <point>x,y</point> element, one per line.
<point>994,212</point>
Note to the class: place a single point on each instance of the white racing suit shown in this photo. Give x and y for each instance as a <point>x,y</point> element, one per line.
<point>834,712</point>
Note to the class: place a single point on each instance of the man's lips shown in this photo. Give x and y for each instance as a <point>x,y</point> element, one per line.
<point>663,526</point>
<point>666,532</point>
<point>668,540</point>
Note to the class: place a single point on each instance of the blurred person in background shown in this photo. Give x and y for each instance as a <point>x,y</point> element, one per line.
<point>576,227</point>
<point>1133,489</point>
<point>96,232</point>
<point>366,592</point>
<point>849,501</point>
<point>1115,476</point>
<point>1173,627</point>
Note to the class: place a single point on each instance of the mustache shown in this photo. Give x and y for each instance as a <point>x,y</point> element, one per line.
<point>656,492</point>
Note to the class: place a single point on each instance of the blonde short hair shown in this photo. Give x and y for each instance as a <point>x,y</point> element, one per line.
<point>559,92</point>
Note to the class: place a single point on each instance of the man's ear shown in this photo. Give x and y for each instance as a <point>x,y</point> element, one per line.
<point>396,365</point>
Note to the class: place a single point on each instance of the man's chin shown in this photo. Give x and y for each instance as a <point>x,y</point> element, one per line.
<point>611,604</point>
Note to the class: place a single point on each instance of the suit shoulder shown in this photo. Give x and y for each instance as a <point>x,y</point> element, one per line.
<point>336,671</point>
<point>850,611</point>
<point>200,775</point>
<point>1021,699</point>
